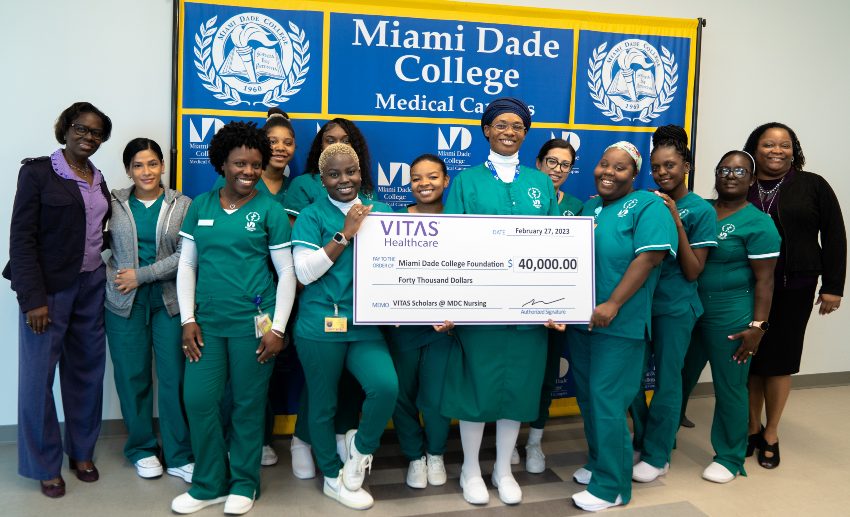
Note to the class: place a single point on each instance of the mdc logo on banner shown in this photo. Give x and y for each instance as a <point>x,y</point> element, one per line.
<point>393,172</point>
<point>632,79</point>
<point>459,139</point>
<point>199,129</point>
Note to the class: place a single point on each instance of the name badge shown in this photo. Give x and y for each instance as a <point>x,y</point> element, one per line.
<point>206,222</point>
<point>336,324</point>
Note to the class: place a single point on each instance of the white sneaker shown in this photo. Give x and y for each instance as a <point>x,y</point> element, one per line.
<point>354,470</point>
<point>269,457</point>
<point>436,470</point>
<point>340,447</point>
<point>582,476</point>
<point>417,476</point>
<point>185,472</point>
<point>184,503</point>
<point>717,473</point>
<point>302,459</point>
<point>238,504</point>
<point>509,490</point>
<point>590,503</point>
<point>149,468</point>
<point>643,472</point>
<point>535,460</point>
<point>357,499</point>
<point>474,489</point>
<point>515,457</point>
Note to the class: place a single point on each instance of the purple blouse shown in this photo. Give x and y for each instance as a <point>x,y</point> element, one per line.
<point>96,206</point>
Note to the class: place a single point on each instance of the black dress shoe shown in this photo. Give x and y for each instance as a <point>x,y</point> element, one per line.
<point>755,441</point>
<point>87,475</point>
<point>773,461</point>
<point>53,489</point>
<point>684,422</point>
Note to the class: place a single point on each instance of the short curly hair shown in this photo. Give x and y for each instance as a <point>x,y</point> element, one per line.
<point>334,150</point>
<point>67,117</point>
<point>357,142</point>
<point>234,135</point>
<point>796,148</point>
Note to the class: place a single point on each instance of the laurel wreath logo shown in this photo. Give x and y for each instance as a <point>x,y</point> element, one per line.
<point>223,91</point>
<point>614,112</point>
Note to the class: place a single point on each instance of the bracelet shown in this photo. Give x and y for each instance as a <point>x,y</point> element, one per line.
<point>277,333</point>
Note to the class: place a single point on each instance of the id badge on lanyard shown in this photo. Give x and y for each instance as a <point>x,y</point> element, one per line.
<point>262,321</point>
<point>336,323</point>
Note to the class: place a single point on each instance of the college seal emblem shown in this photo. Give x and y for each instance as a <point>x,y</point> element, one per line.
<point>251,59</point>
<point>632,81</point>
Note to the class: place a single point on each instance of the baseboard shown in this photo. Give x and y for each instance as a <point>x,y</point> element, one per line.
<point>115,427</point>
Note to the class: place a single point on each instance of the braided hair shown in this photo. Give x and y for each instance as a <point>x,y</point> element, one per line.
<point>675,137</point>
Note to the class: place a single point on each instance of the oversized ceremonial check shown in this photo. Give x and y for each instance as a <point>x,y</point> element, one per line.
<point>424,269</point>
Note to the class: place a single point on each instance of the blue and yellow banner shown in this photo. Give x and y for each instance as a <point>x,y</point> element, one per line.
<point>416,76</point>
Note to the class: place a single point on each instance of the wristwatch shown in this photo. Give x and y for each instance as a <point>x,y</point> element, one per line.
<point>340,239</point>
<point>761,325</point>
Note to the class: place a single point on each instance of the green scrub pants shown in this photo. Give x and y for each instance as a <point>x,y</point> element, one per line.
<point>133,343</point>
<point>554,353</point>
<point>607,372</point>
<point>350,397</point>
<point>370,363</point>
<point>222,358</point>
<point>655,427</point>
<point>421,375</point>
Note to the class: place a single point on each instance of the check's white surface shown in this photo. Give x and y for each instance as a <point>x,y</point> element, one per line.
<point>424,269</point>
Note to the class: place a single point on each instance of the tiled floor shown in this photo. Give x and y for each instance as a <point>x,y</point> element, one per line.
<point>813,479</point>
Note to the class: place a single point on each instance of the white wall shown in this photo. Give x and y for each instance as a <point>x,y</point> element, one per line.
<point>760,62</point>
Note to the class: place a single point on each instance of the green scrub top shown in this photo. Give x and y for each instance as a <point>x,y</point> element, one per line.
<point>262,187</point>
<point>150,294</point>
<point>675,294</point>
<point>748,234</point>
<point>569,205</point>
<point>625,228</point>
<point>315,227</point>
<point>478,191</point>
<point>233,260</point>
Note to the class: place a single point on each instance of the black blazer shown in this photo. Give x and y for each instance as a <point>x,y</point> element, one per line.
<point>48,233</point>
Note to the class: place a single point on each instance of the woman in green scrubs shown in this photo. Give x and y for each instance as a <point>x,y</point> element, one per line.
<point>555,159</point>
<point>234,315</point>
<point>634,233</point>
<point>304,190</point>
<point>420,354</point>
<point>142,317</point>
<point>736,289</point>
<point>675,306</point>
<point>327,340</point>
<point>496,373</point>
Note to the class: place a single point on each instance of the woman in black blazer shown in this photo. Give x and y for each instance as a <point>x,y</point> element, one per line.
<point>55,265</point>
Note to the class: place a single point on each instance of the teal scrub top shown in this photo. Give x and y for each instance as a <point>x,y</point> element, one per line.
<point>675,295</point>
<point>315,227</point>
<point>625,228</point>
<point>149,295</point>
<point>261,186</point>
<point>478,191</point>
<point>569,205</point>
<point>748,234</point>
<point>233,260</point>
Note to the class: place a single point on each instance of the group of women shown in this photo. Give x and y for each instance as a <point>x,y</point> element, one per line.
<point>208,288</point>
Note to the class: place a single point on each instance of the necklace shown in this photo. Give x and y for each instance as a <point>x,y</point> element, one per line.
<point>84,172</point>
<point>233,205</point>
<point>768,194</point>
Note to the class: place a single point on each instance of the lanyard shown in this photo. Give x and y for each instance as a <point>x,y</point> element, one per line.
<point>496,174</point>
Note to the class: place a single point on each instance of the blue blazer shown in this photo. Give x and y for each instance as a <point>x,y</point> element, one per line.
<point>48,233</point>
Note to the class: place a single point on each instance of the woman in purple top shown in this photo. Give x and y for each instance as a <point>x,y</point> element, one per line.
<point>55,266</point>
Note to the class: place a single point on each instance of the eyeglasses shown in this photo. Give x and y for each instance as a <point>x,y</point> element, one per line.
<point>501,126</point>
<point>81,130</point>
<point>723,172</point>
<point>553,163</point>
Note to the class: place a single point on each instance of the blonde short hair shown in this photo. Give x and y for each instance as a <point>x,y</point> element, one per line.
<point>336,150</point>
